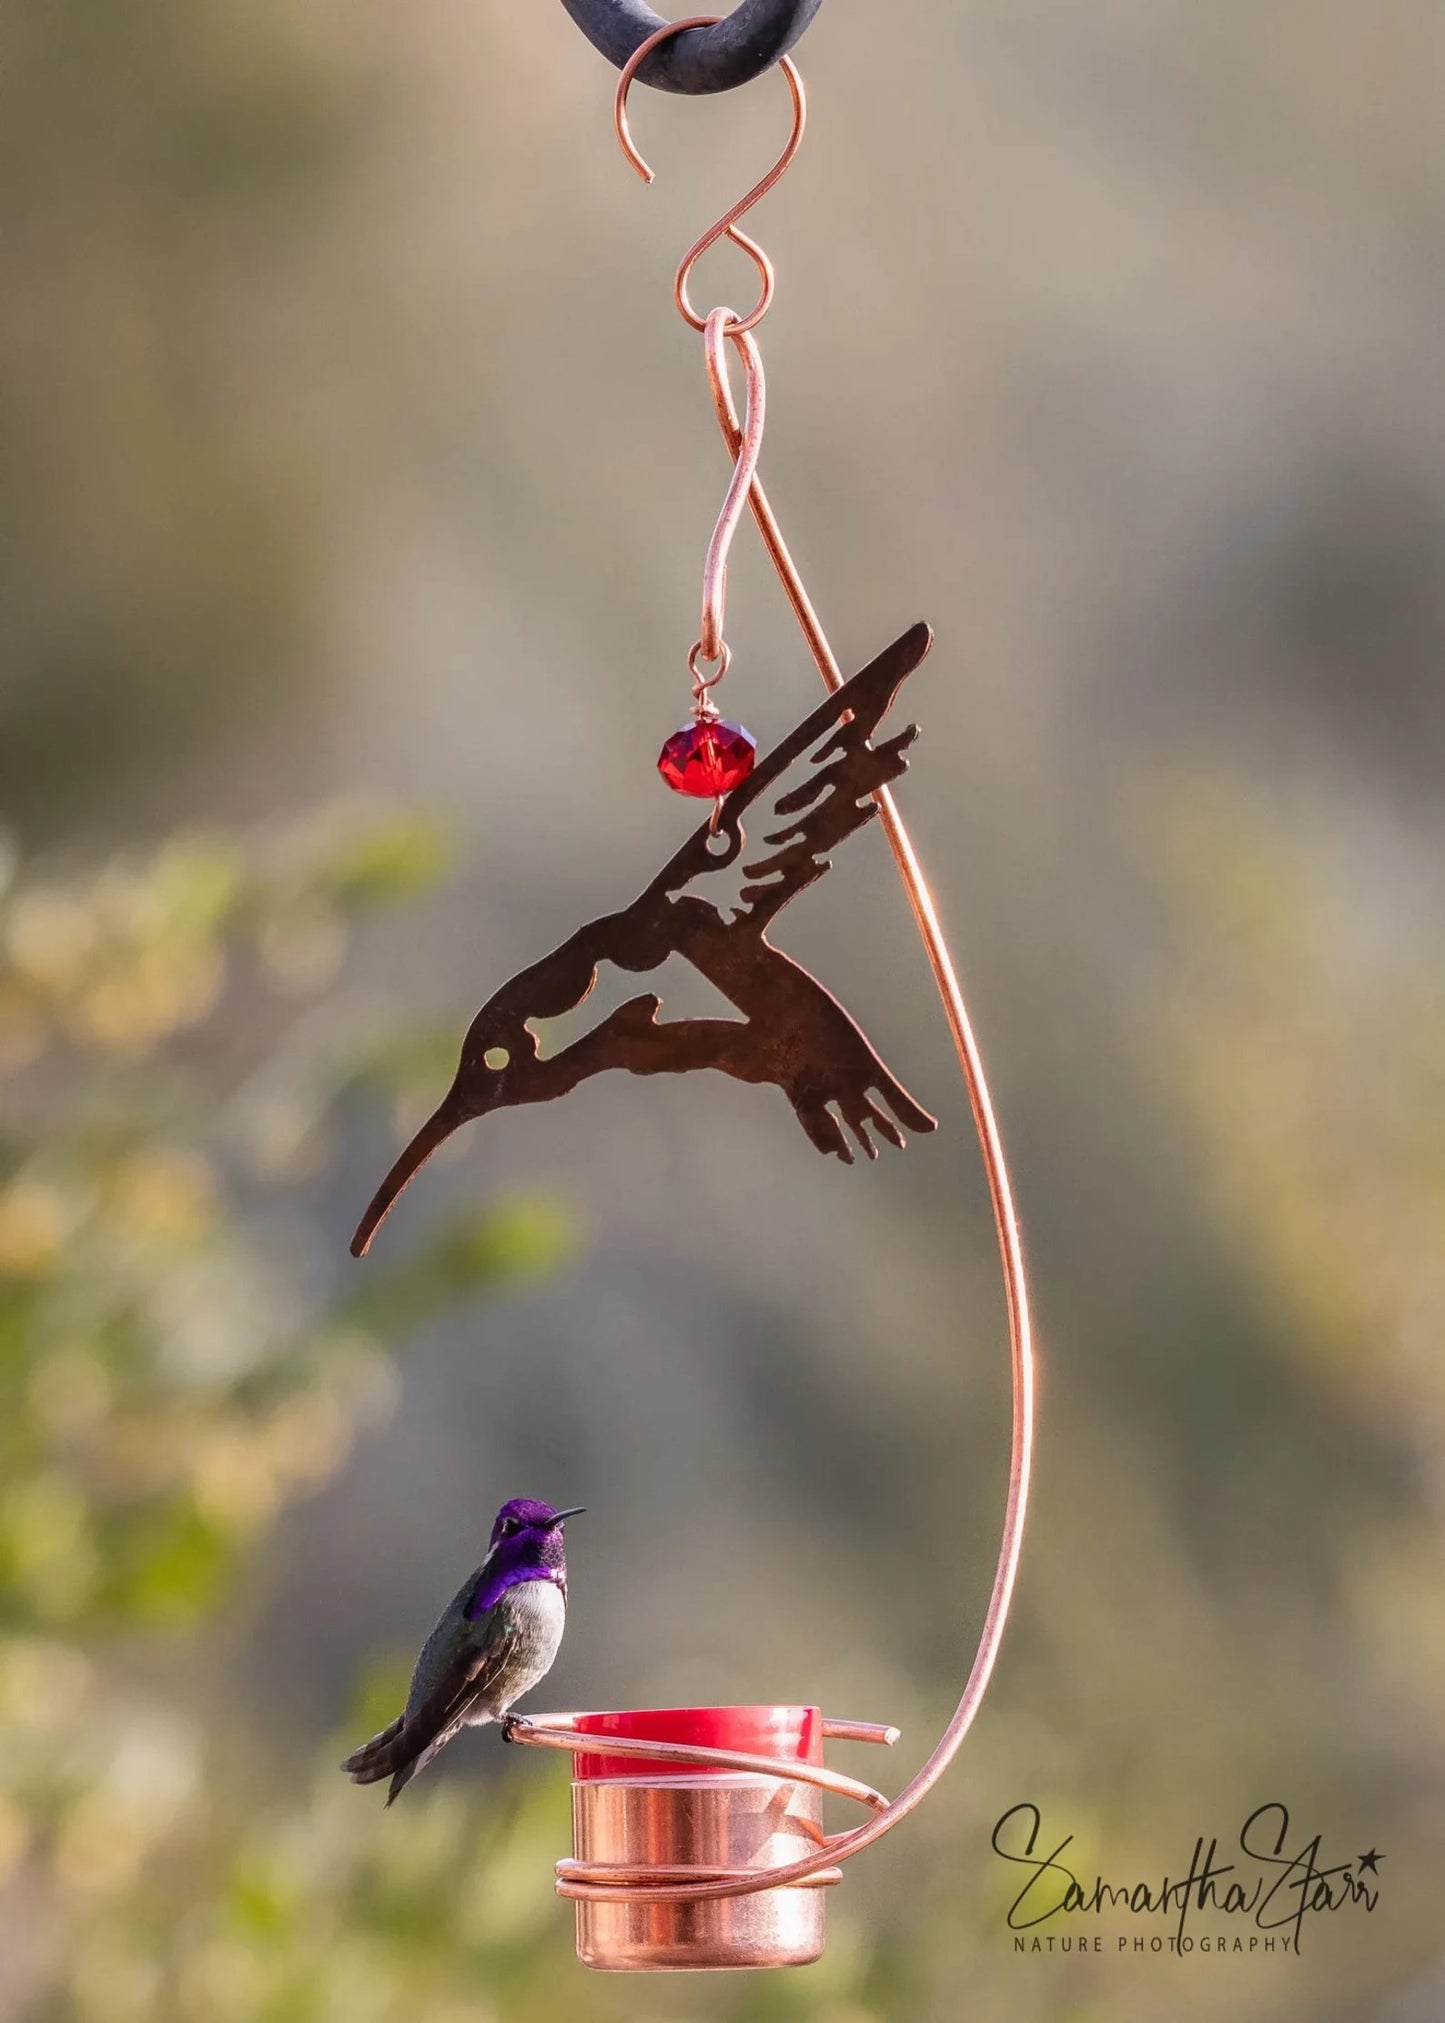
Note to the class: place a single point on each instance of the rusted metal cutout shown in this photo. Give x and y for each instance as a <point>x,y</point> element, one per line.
<point>793,1032</point>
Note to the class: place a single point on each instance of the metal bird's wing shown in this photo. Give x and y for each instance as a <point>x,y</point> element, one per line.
<point>837,797</point>
<point>833,801</point>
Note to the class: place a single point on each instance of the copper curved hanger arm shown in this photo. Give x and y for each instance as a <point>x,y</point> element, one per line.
<point>1011,1258</point>
<point>642,1888</point>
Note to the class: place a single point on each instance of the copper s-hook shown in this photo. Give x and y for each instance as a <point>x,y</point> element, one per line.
<point>719,325</point>
<point>726,226</point>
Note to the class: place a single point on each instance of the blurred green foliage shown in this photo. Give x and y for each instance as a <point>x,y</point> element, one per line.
<point>170,1379</point>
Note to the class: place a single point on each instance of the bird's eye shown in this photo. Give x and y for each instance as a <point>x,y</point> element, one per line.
<point>509,1525</point>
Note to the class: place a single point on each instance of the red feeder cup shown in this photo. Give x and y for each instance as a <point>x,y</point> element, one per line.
<point>640,1821</point>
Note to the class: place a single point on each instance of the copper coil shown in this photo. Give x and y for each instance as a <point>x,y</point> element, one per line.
<point>550,1732</point>
<point>610,1882</point>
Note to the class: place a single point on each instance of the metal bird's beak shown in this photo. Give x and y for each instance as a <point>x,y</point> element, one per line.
<point>562,1515</point>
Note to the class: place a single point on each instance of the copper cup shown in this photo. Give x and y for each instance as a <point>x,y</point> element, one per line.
<point>635,1819</point>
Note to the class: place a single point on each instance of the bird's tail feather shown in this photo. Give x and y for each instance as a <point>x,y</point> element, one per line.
<point>399,1752</point>
<point>360,1762</point>
<point>406,1771</point>
<point>401,1780</point>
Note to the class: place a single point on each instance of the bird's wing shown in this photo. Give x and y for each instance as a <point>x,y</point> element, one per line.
<point>471,1674</point>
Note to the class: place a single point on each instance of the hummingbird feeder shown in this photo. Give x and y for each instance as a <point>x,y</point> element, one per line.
<point>698,1838</point>
<point>670,1798</point>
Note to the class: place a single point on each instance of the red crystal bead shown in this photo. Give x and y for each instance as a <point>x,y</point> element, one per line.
<point>707,759</point>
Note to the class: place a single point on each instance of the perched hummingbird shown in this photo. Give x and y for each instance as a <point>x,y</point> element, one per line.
<point>496,1640</point>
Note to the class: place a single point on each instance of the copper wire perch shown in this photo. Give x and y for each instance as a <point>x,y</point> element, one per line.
<point>644,1885</point>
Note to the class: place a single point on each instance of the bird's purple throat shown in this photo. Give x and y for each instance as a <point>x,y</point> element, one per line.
<point>527,1543</point>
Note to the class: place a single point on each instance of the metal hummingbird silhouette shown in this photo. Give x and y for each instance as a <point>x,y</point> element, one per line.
<point>793,1032</point>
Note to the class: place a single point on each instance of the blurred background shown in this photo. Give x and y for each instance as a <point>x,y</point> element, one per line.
<point>356,477</point>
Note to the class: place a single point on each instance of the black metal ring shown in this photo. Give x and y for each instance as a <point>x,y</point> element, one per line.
<point>698,60</point>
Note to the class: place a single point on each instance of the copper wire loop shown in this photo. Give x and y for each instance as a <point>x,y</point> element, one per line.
<point>644,1886</point>
<point>548,1731</point>
<point>618,1883</point>
<point>726,226</point>
<point>703,684</point>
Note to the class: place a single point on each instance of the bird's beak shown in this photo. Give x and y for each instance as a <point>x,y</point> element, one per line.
<point>562,1516</point>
